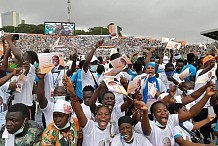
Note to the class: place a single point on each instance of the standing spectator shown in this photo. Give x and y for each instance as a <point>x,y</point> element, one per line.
<point>190,65</point>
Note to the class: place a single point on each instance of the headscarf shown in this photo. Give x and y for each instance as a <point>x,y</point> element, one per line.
<point>150,80</point>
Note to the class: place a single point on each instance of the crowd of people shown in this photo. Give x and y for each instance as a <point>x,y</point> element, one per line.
<point>124,98</point>
<point>126,45</point>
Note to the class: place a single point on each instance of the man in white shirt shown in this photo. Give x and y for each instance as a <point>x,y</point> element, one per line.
<point>89,75</point>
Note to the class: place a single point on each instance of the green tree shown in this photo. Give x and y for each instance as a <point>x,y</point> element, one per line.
<point>98,31</point>
<point>9,29</point>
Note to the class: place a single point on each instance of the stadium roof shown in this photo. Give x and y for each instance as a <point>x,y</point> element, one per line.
<point>213,34</point>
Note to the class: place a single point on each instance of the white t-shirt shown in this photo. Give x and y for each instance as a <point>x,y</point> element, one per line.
<point>151,100</point>
<point>87,111</point>
<point>199,85</point>
<point>139,140</point>
<point>169,84</point>
<point>93,136</point>
<point>48,112</point>
<point>115,115</point>
<point>179,100</point>
<point>3,92</point>
<point>87,79</point>
<point>26,96</point>
<point>179,131</point>
<point>51,80</point>
<point>158,136</point>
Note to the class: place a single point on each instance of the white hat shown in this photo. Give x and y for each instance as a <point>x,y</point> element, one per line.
<point>94,58</point>
<point>165,59</point>
<point>63,106</point>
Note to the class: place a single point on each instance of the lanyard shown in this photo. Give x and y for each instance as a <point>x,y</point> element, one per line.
<point>55,80</point>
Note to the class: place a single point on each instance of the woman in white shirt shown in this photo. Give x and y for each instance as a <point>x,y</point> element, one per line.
<point>94,133</point>
<point>181,136</point>
<point>127,136</point>
<point>161,129</point>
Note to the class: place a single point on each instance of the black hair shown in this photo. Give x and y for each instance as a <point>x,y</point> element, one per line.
<point>138,66</point>
<point>180,60</point>
<point>20,107</point>
<point>125,119</point>
<point>100,58</point>
<point>106,93</point>
<point>81,63</point>
<point>115,56</point>
<point>88,88</point>
<point>169,65</point>
<point>32,56</point>
<point>190,57</point>
<point>153,106</point>
<point>100,69</point>
<point>101,106</point>
<point>174,108</point>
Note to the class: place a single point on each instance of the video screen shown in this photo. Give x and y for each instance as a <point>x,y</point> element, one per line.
<point>59,28</point>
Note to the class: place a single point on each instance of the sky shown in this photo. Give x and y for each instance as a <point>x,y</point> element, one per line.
<point>180,19</point>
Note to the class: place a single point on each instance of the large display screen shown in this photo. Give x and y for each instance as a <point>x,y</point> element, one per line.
<point>59,28</point>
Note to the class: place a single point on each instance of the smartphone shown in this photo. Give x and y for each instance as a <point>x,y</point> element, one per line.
<point>211,111</point>
<point>15,37</point>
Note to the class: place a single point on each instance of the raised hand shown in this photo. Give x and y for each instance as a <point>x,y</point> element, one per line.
<point>17,71</point>
<point>172,91</point>
<point>26,67</point>
<point>68,84</point>
<point>99,43</point>
<point>140,105</point>
<point>211,90</point>
<point>38,74</point>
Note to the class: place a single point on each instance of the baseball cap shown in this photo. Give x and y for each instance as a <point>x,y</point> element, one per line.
<point>63,106</point>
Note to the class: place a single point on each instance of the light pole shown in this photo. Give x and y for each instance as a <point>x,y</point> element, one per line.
<point>68,9</point>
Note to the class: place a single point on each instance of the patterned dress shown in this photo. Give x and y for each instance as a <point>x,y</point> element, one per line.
<point>53,137</point>
<point>31,138</point>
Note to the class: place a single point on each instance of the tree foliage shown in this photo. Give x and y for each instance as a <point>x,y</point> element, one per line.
<point>39,29</point>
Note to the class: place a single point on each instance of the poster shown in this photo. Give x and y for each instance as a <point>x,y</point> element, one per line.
<point>206,77</point>
<point>173,45</point>
<point>120,62</point>
<point>114,86</point>
<point>46,62</point>
<point>134,86</point>
<point>183,75</point>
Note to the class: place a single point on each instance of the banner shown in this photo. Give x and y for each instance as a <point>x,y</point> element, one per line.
<point>165,40</point>
<point>46,62</point>
<point>173,45</point>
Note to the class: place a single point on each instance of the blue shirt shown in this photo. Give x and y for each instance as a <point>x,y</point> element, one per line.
<point>76,79</point>
<point>192,70</point>
<point>132,73</point>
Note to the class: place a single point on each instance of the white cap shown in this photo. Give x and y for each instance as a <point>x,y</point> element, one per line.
<point>94,58</point>
<point>165,59</point>
<point>63,106</point>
